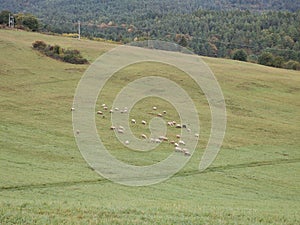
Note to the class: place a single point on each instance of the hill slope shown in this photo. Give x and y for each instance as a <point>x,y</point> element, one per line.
<point>44,179</point>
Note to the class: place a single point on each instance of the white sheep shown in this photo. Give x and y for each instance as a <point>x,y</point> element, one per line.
<point>196,135</point>
<point>181,142</point>
<point>111,111</point>
<point>144,136</point>
<point>72,109</point>
<point>105,108</point>
<point>112,127</point>
<point>120,131</point>
<point>164,112</point>
<point>178,149</point>
<point>178,125</point>
<point>127,142</point>
<point>144,122</point>
<point>159,115</point>
<point>99,112</point>
<point>154,108</point>
<point>178,136</point>
<point>176,144</point>
<point>133,121</point>
<point>116,109</point>
<point>103,105</point>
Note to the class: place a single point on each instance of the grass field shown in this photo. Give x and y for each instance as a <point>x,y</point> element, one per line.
<point>44,179</point>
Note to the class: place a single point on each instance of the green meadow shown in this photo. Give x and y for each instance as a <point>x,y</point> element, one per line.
<point>255,178</point>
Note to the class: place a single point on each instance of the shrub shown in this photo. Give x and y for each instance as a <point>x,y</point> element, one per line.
<point>39,45</point>
<point>56,52</point>
<point>291,64</point>
<point>240,55</point>
<point>266,59</point>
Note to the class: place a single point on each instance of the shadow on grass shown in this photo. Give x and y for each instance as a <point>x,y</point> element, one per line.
<point>179,174</point>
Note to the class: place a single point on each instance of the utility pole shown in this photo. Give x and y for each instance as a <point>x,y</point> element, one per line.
<point>78,29</point>
<point>11,21</point>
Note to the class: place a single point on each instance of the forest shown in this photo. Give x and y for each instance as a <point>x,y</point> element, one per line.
<point>267,32</point>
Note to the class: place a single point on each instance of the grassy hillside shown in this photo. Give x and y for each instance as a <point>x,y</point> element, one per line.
<point>45,180</point>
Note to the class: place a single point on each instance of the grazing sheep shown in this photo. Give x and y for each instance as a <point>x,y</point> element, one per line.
<point>133,121</point>
<point>72,109</point>
<point>159,115</point>
<point>111,111</point>
<point>152,140</point>
<point>112,127</point>
<point>120,131</point>
<point>103,105</point>
<point>176,144</point>
<point>188,130</point>
<point>126,142</point>
<point>196,135</point>
<point>154,108</point>
<point>181,142</point>
<point>116,109</point>
<point>144,136</point>
<point>178,125</point>
<point>178,136</point>
<point>121,128</point>
<point>99,112</point>
<point>187,153</point>
<point>157,140</point>
<point>77,131</point>
<point>171,124</point>
<point>172,142</point>
<point>105,108</point>
<point>163,138</point>
<point>144,122</point>
<point>164,112</point>
<point>178,149</point>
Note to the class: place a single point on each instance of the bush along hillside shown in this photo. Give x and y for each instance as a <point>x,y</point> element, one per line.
<point>59,53</point>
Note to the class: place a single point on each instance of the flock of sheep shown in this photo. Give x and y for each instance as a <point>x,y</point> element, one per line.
<point>179,145</point>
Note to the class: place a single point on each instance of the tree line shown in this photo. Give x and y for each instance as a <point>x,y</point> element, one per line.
<point>267,37</point>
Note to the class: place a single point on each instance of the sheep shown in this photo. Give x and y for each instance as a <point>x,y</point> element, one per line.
<point>111,111</point>
<point>133,121</point>
<point>103,105</point>
<point>176,144</point>
<point>178,136</point>
<point>105,108</point>
<point>72,109</point>
<point>77,131</point>
<point>188,130</point>
<point>186,152</point>
<point>121,128</point>
<point>144,136</point>
<point>144,122</point>
<point>178,149</point>
<point>171,124</point>
<point>116,109</point>
<point>181,142</point>
<point>157,140</point>
<point>99,112</point>
<point>120,131</point>
<point>154,108</point>
<point>164,112</point>
<point>163,138</point>
<point>172,142</point>
<point>152,140</point>
<point>196,135</point>
<point>127,142</point>
<point>178,125</point>
<point>112,127</point>
<point>159,115</point>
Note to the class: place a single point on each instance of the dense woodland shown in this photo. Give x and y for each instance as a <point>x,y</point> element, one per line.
<point>261,31</point>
